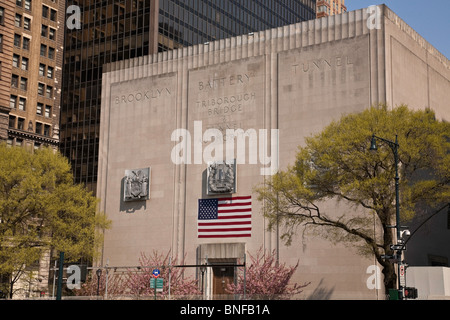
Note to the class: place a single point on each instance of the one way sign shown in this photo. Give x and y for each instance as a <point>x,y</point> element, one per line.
<point>397,247</point>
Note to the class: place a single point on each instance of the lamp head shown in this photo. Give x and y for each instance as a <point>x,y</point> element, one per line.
<point>405,234</point>
<point>373,144</point>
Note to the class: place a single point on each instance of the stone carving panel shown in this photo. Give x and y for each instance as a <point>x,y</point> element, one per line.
<point>221,177</point>
<point>136,184</point>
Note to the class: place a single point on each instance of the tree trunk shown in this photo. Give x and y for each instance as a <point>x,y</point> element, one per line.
<point>390,277</point>
<point>11,285</point>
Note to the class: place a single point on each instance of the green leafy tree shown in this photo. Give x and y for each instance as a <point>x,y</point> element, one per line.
<point>336,164</point>
<point>41,209</point>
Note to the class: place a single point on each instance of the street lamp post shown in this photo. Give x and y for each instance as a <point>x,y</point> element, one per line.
<point>394,147</point>
<point>202,270</point>
<point>99,273</point>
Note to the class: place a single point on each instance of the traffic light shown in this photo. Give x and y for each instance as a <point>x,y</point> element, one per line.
<point>411,293</point>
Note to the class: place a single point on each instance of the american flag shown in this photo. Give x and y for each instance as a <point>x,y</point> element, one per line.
<point>225,217</point>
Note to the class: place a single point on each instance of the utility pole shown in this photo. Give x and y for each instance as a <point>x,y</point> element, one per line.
<point>397,248</point>
<point>60,275</point>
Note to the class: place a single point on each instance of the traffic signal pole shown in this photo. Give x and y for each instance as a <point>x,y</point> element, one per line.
<point>60,276</point>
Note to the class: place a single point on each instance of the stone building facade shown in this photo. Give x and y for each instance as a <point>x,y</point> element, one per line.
<point>157,110</point>
<point>117,30</point>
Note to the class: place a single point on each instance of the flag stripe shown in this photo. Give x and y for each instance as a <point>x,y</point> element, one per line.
<point>224,228</point>
<point>222,223</point>
<point>240,204</point>
<point>235,210</point>
<point>244,235</point>
<point>225,217</point>
<point>241,217</point>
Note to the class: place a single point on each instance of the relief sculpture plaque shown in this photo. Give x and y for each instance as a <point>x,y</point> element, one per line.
<point>136,184</point>
<point>221,177</point>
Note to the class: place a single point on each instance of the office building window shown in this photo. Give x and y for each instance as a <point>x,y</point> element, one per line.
<point>46,130</point>
<point>12,121</point>
<point>24,63</point>
<point>27,5</point>
<point>22,104</point>
<point>49,72</point>
<point>41,89</point>
<point>49,92</point>
<point>2,15</point>
<point>53,15</point>
<point>26,43</point>
<point>20,123</point>
<point>15,81</point>
<point>15,61</point>
<point>18,20</point>
<point>44,11</point>
<point>44,30</point>
<point>23,83</point>
<point>12,101</point>
<point>41,71</point>
<point>39,108</point>
<point>52,34</point>
<point>38,128</point>
<point>27,23</point>
<point>48,111</point>
<point>17,40</point>
<point>43,50</point>
<point>51,53</point>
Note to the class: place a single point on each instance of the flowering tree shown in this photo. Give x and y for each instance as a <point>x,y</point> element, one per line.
<point>138,281</point>
<point>266,279</point>
<point>93,285</point>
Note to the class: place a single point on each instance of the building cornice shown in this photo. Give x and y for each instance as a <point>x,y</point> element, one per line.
<point>32,136</point>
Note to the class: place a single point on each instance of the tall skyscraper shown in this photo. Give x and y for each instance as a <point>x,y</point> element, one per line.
<point>31,43</point>
<point>115,30</point>
<point>330,7</point>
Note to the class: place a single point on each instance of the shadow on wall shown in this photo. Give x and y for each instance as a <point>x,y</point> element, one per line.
<point>130,206</point>
<point>321,293</point>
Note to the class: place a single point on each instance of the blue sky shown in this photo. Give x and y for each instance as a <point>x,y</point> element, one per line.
<point>428,18</point>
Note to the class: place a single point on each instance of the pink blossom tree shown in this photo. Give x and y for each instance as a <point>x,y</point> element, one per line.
<point>138,282</point>
<point>93,285</point>
<point>266,279</point>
